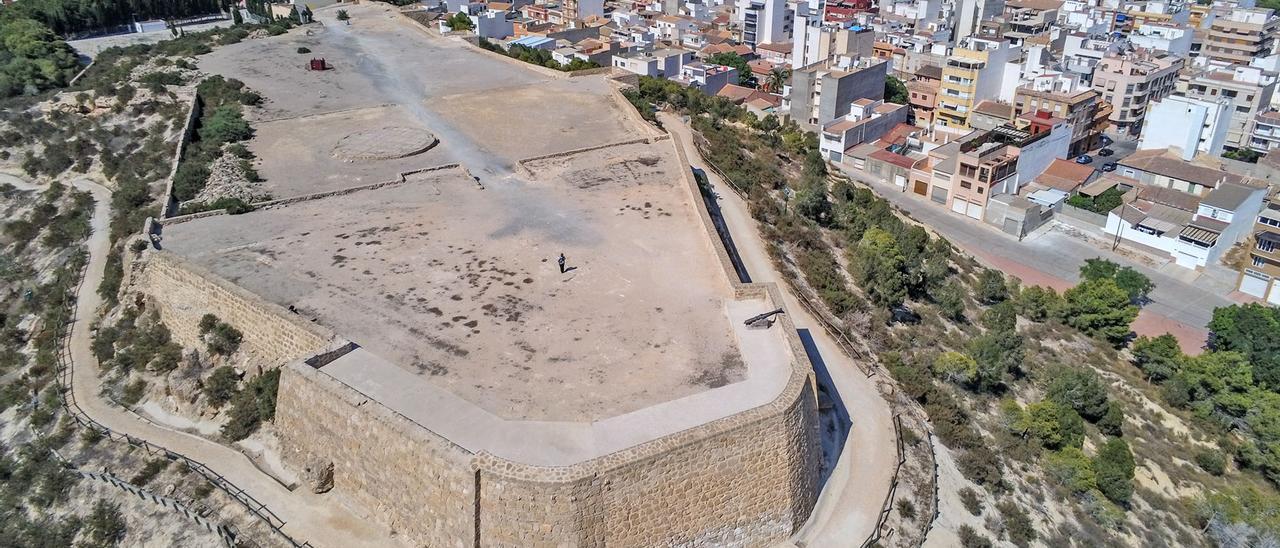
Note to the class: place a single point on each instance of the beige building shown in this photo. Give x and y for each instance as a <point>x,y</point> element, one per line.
<point>1241,35</point>
<point>1131,81</point>
<point>1259,276</point>
<point>975,72</point>
<point>1248,88</point>
<point>1084,108</point>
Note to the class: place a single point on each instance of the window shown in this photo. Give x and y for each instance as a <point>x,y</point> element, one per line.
<point>979,190</point>
<point>1268,221</point>
<point>966,185</point>
<point>1266,245</point>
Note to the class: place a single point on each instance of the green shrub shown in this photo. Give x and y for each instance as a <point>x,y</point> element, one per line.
<point>1017,524</point>
<point>149,471</point>
<point>1115,468</point>
<point>906,509</point>
<point>105,526</point>
<point>969,498</point>
<point>1072,469</point>
<point>1211,461</point>
<point>220,387</point>
<point>224,340</point>
<point>252,406</point>
<point>970,538</point>
<point>133,393</point>
<point>207,323</point>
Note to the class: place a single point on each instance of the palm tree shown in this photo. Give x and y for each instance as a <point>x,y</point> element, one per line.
<point>777,78</point>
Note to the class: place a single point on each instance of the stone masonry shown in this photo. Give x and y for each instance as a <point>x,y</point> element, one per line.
<point>183,292</point>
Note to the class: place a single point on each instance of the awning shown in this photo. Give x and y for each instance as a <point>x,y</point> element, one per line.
<point>1200,235</point>
<point>1267,236</point>
<point>1159,225</point>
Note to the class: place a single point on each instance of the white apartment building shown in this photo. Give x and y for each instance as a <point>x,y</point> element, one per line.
<point>1175,39</point>
<point>1190,125</point>
<point>764,21</point>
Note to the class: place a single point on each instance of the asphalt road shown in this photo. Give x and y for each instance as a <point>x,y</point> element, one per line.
<point>1182,302</point>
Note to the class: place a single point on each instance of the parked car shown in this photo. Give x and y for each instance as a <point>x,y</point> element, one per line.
<point>1084,159</point>
<point>1106,152</point>
<point>1109,166</point>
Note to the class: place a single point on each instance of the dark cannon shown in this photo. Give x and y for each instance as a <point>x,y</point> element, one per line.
<point>762,320</point>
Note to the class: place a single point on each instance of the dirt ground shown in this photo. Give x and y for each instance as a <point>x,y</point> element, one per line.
<point>296,155</point>
<point>460,284</point>
<point>487,112</point>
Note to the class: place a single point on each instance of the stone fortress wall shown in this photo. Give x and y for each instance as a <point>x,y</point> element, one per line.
<point>183,292</point>
<point>749,479</point>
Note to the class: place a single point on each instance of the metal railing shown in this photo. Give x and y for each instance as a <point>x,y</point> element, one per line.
<point>65,372</point>
<point>887,506</point>
<point>224,532</point>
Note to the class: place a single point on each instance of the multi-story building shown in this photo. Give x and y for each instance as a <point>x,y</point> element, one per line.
<point>1130,81</point>
<point>922,93</point>
<point>665,63</point>
<point>1241,35</point>
<point>963,174</point>
<point>577,10</point>
<point>764,21</point>
<point>982,169</point>
<point>1193,231</point>
<point>707,77</point>
<point>1259,277</point>
<point>1249,89</point>
<point>816,44</point>
<point>1190,125</point>
<point>866,121</point>
<point>1081,53</point>
<point>977,70</point>
<point>821,93</point>
<point>1166,169</point>
<point>1174,39</point>
<point>1063,98</point>
<point>1266,132</point>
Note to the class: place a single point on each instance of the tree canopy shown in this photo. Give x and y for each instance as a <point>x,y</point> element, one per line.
<point>1100,308</point>
<point>32,58</point>
<point>732,59</point>
<point>895,91</point>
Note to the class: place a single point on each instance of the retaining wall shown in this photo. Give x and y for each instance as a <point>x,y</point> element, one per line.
<point>749,479</point>
<point>414,481</point>
<point>170,206</point>
<point>183,292</point>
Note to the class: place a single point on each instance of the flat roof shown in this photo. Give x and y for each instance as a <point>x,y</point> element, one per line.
<point>459,285</point>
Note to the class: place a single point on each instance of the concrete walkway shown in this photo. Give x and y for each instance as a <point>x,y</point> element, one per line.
<point>307,517</point>
<point>850,501</point>
<point>1182,303</point>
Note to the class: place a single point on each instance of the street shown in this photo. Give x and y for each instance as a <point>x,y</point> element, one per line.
<point>1182,302</point>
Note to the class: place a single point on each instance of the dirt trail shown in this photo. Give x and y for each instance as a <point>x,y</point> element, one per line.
<point>850,501</point>
<point>307,517</point>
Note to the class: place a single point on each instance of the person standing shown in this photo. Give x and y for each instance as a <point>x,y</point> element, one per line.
<point>560,261</point>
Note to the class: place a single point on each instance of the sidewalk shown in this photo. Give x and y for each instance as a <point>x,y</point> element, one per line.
<point>1051,257</point>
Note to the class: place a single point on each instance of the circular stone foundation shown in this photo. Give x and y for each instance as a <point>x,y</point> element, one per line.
<point>383,144</point>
